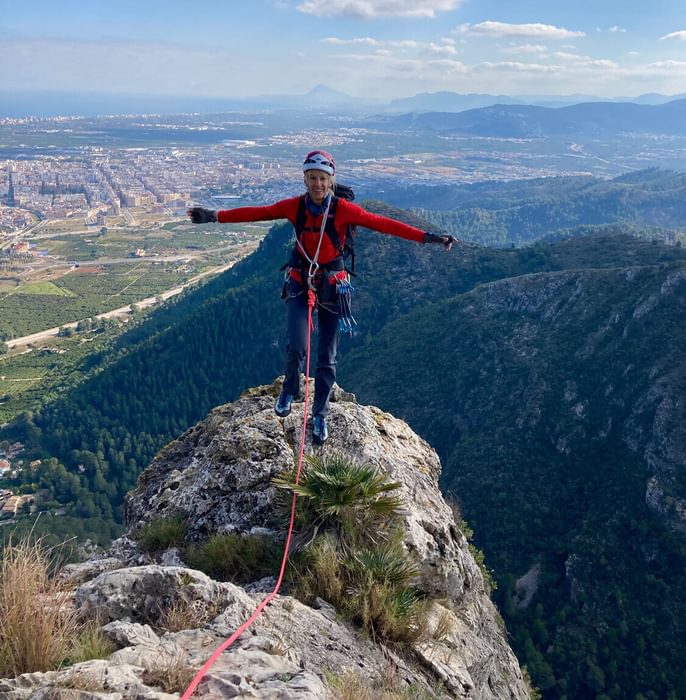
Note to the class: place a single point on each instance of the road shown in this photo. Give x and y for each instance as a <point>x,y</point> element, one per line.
<point>41,336</point>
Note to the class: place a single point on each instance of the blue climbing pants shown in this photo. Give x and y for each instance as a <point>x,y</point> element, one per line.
<point>296,347</point>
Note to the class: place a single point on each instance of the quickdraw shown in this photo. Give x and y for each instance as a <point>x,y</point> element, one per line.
<point>344,292</point>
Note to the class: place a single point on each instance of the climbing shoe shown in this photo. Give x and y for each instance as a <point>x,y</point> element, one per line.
<point>282,407</point>
<point>320,432</point>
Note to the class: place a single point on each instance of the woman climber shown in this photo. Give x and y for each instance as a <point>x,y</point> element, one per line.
<point>322,224</point>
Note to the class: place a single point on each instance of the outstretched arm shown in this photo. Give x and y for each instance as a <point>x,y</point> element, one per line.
<point>355,215</point>
<point>285,209</point>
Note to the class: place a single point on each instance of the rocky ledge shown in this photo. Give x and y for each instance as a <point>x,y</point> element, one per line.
<point>217,477</point>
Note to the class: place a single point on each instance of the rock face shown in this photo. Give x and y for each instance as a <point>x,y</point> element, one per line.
<point>217,476</point>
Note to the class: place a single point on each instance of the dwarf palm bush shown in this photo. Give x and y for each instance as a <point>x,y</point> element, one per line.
<point>387,564</point>
<point>380,595</point>
<point>340,496</point>
<point>350,552</point>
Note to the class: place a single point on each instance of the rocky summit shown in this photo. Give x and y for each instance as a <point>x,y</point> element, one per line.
<point>218,479</point>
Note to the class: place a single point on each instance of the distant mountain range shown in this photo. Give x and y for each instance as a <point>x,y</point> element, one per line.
<point>456,102</point>
<point>531,121</point>
<point>19,103</point>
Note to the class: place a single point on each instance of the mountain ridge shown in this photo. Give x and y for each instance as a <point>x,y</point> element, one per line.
<point>24,103</point>
<point>586,119</point>
<point>559,422</point>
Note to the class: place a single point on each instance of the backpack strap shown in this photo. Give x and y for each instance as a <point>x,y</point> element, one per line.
<point>330,228</point>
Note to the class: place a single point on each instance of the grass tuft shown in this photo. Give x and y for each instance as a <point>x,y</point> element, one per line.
<point>172,673</point>
<point>39,628</point>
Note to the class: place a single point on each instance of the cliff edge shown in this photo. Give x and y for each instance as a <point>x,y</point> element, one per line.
<point>217,479</point>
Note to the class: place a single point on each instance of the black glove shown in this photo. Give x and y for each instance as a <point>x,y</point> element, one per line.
<point>446,241</point>
<point>200,215</point>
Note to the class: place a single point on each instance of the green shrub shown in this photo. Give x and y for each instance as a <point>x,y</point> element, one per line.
<point>162,533</point>
<point>237,558</point>
<point>350,551</point>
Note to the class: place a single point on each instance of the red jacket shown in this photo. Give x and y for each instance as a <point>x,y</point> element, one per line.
<point>347,214</point>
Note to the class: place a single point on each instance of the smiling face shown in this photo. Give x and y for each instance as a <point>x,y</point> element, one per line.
<point>318,185</point>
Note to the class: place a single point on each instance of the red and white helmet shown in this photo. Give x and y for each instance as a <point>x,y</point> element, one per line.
<point>319,160</point>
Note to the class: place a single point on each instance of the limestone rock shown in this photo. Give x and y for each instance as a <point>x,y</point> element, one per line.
<point>218,478</point>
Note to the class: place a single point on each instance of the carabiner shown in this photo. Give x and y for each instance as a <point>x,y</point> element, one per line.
<point>312,273</point>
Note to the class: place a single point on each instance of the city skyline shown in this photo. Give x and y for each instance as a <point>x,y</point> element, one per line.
<point>370,49</point>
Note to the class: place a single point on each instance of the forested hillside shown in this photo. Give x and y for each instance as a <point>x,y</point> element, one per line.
<point>523,211</point>
<point>202,350</point>
<point>556,403</point>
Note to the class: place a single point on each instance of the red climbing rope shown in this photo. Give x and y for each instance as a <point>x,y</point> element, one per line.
<point>311,299</point>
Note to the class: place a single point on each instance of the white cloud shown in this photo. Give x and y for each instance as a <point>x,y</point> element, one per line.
<point>448,66</point>
<point>612,30</point>
<point>675,35</point>
<point>370,9</point>
<point>598,64</point>
<point>572,57</point>
<point>368,41</point>
<point>516,67</point>
<point>526,48</point>
<point>364,40</point>
<point>447,49</point>
<point>381,66</point>
<point>502,29</point>
<point>672,68</point>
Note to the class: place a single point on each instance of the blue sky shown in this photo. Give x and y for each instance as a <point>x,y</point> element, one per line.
<point>367,48</point>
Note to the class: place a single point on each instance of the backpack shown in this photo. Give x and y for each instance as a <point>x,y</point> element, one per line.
<point>346,250</point>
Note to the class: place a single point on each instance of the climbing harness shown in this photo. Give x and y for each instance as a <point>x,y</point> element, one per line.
<point>345,250</point>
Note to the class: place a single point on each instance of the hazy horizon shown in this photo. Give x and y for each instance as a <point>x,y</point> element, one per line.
<point>387,49</point>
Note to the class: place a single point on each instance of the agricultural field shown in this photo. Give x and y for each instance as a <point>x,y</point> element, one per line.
<point>74,272</point>
<point>33,376</point>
